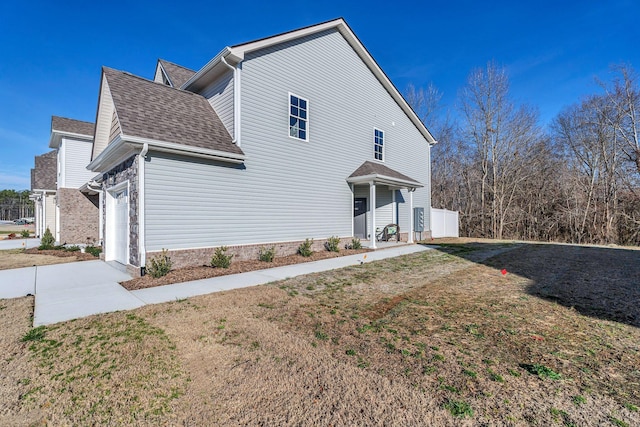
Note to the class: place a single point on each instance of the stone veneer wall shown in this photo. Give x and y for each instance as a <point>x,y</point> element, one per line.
<point>125,171</point>
<point>78,217</point>
<point>202,256</point>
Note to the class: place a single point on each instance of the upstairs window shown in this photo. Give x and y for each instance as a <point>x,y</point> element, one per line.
<point>378,145</point>
<point>298,117</point>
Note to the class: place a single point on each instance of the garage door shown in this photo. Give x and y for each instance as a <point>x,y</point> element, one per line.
<point>121,226</point>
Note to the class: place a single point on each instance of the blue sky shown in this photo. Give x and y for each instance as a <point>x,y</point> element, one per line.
<point>51,51</point>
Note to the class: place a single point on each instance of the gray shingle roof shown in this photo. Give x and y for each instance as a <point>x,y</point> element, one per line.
<point>373,168</point>
<point>62,124</point>
<point>43,176</point>
<point>176,73</point>
<point>155,111</point>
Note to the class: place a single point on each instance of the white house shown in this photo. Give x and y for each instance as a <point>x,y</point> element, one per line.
<point>299,135</point>
<point>76,212</point>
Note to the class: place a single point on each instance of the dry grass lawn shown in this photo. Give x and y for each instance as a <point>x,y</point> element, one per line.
<point>437,338</point>
<point>17,258</point>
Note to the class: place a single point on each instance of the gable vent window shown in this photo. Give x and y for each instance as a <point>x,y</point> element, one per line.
<point>298,117</point>
<point>378,145</point>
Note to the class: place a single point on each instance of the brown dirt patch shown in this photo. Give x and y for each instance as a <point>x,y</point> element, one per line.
<point>204,272</point>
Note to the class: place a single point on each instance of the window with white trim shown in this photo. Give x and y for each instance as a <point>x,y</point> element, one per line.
<point>298,117</point>
<point>378,144</point>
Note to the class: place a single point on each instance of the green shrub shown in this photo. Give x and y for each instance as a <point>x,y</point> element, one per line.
<point>25,233</point>
<point>355,244</point>
<point>47,240</point>
<point>159,265</point>
<point>332,244</point>
<point>267,254</point>
<point>73,248</point>
<point>305,248</point>
<point>220,258</point>
<point>93,250</point>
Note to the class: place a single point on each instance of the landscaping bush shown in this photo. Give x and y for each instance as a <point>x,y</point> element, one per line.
<point>305,248</point>
<point>47,240</point>
<point>93,250</point>
<point>11,236</point>
<point>355,244</point>
<point>159,265</point>
<point>73,248</point>
<point>332,244</point>
<point>25,233</point>
<point>220,258</point>
<point>267,254</point>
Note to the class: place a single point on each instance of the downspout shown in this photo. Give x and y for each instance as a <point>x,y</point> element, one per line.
<point>236,100</point>
<point>142,249</point>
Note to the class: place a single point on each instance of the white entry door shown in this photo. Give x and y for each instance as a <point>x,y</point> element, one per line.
<point>118,221</point>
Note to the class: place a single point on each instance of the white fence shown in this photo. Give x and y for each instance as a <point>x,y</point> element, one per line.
<point>444,223</point>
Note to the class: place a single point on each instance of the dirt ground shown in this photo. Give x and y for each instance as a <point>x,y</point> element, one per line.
<point>437,338</point>
<point>205,272</point>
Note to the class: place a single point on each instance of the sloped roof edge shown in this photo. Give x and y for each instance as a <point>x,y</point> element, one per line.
<point>236,54</point>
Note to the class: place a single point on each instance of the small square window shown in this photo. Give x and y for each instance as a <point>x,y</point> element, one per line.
<point>298,113</point>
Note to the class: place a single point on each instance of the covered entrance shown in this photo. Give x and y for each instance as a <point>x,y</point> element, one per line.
<point>382,184</point>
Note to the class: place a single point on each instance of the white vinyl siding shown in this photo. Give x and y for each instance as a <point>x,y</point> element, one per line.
<point>327,71</point>
<point>286,190</point>
<point>104,119</point>
<point>220,96</point>
<point>50,213</point>
<point>75,158</point>
<point>384,204</point>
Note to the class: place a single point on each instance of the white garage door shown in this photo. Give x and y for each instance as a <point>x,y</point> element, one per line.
<point>121,226</point>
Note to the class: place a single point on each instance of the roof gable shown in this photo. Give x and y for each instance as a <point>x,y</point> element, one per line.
<point>377,172</point>
<point>154,111</point>
<point>237,53</point>
<point>176,74</point>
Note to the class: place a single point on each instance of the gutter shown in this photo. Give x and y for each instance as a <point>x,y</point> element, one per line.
<point>142,250</point>
<point>236,100</point>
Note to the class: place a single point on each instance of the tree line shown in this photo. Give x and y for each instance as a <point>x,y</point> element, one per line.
<point>576,180</point>
<point>15,204</point>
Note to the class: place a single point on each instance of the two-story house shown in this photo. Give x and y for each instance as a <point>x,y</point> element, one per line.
<point>299,135</point>
<point>76,213</point>
<point>43,192</point>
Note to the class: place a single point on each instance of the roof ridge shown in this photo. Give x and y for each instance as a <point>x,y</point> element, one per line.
<point>127,73</point>
<point>177,65</point>
<point>75,120</point>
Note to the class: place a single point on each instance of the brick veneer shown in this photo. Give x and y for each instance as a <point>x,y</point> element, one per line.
<point>78,216</point>
<point>195,257</point>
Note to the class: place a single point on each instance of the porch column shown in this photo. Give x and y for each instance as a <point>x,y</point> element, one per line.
<point>372,209</point>
<point>410,238</point>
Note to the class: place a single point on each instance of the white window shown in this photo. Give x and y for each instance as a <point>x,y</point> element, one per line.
<point>378,144</point>
<point>298,117</point>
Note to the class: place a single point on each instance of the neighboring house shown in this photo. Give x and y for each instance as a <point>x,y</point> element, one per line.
<point>77,216</point>
<point>299,135</point>
<point>43,192</point>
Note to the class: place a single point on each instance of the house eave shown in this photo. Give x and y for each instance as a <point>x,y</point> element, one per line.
<point>123,147</point>
<point>384,180</point>
<point>57,135</point>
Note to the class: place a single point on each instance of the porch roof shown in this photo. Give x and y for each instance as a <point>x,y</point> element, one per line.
<point>381,174</point>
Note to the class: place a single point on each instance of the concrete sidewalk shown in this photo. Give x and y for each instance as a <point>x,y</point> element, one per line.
<point>167,293</point>
<point>19,244</point>
<point>79,289</point>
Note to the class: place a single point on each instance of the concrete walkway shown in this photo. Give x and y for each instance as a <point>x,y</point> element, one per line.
<point>19,244</point>
<point>79,289</point>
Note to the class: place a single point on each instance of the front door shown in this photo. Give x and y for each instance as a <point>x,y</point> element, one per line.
<point>360,217</point>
